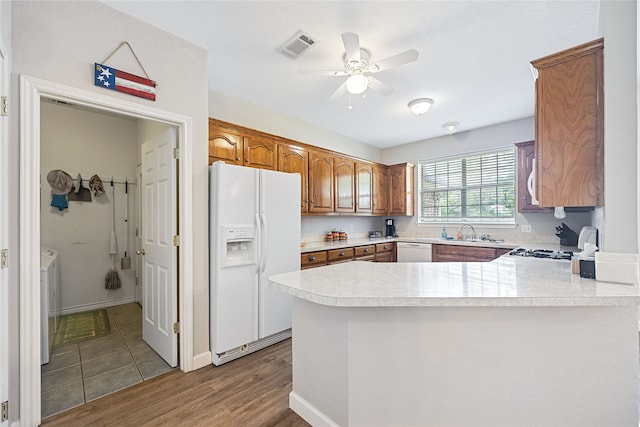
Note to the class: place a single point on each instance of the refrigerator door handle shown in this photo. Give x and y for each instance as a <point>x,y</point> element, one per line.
<point>263,242</point>
<point>259,242</point>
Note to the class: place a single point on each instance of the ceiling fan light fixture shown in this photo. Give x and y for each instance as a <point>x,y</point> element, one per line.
<point>357,84</point>
<point>420,106</point>
<point>450,127</point>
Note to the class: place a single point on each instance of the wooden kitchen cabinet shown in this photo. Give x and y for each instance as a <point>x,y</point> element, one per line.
<point>365,253</point>
<point>313,259</point>
<point>386,252</point>
<point>401,189</point>
<point>260,152</point>
<point>459,253</point>
<point>526,152</point>
<point>343,180</point>
<point>295,159</point>
<point>569,127</point>
<point>241,147</point>
<point>380,189</point>
<point>225,144</point>
<point>340,255</point>
<point>320,182</point>
<point>364,187</point>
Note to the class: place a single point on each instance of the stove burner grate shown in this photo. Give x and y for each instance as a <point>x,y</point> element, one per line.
<point>542,253</point>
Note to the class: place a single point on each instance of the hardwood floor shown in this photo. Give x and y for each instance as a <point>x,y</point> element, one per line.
<point>250,391</point>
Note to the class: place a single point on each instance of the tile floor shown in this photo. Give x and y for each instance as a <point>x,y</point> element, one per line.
<point>81,372</point>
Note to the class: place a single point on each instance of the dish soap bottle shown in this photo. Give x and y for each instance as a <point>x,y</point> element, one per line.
<point>444,233</point>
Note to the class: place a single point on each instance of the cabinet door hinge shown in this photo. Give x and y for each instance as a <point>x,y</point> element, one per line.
<point>4,106</point>
<point>176,240</point>
<point>176,328</point>
<point>4,416</point>
<point>4,259</point>
<point>176,153</point>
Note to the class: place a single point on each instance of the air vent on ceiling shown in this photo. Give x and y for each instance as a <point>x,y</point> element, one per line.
<point>298,44</point>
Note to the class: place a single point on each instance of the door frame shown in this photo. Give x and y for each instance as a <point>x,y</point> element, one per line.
<point>32,91</point>
<point>4,229</point>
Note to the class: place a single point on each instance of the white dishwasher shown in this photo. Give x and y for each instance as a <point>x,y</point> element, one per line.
<point>414,252</point>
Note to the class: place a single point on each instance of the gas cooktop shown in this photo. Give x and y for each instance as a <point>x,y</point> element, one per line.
<point>542,253</point>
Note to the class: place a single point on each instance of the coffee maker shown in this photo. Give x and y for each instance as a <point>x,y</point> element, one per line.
<point>391,227</point>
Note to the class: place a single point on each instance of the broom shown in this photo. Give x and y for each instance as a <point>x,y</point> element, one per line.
<point>112,280</point>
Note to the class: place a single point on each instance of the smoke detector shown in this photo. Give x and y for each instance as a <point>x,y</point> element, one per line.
<point>296,45</point>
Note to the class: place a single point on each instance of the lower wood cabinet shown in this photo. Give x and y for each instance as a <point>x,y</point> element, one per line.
<point>340,255</point>
<point>313,259</point>
<point>457,253</point>
<point>381,252</point>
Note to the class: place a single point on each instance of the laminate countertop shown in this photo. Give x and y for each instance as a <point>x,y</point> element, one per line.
<point>506,281</point>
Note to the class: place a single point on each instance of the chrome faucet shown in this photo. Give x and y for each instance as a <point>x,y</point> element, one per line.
<point>473,230</point>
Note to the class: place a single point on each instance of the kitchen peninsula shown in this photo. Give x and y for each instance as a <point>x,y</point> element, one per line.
<point>516,341</point>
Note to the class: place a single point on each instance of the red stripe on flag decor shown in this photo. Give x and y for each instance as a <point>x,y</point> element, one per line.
<point>134,78</point>
<point>141,94</point>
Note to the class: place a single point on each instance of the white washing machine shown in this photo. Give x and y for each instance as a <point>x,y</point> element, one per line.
<point>49,300</point>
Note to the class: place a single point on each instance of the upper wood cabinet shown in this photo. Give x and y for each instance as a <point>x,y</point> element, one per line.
<point>225,144</point>
<point>260,152</point>
<point>380,189</point>
<point>569,127</point>
<point>343,180</point>
<point>364,187</point>
<point>331,183</point>
<point>526,152</point>
<point>401,189</point>
<point>320,182</point>
<point>295,159</point>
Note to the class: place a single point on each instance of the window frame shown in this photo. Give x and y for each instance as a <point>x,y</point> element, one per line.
<point>494,221</point>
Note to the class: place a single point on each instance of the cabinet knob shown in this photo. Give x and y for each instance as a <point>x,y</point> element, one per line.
<point>366,250</point>
<point>341,254</point>
<point>311,258</point>
<point>237,159</point>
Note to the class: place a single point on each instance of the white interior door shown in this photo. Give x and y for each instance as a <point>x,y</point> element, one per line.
<point>159,256</point>
<point>4,229</point>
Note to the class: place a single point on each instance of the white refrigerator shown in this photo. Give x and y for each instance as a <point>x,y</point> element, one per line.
<point>254,228</point>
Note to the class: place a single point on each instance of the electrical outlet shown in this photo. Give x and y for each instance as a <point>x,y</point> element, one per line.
<point>525,228</point>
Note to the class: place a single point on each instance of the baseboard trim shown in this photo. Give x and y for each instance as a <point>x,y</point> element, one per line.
<point>97,305</point>
<point>308,412</point>
<point>201,360</point>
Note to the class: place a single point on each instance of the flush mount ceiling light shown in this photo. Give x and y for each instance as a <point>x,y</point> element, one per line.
<point>421,105</point>
<point>357,84</point>
<point>450,127</point>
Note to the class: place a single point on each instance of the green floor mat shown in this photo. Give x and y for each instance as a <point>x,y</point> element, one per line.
<point>82,326</point>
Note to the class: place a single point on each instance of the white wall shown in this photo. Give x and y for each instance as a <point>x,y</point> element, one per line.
<point>620,127</point>
<point>239,112</point>
<point>88,142</point>
<point>59,41</point>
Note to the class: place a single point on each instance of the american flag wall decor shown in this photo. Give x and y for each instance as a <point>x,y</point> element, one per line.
<point>120,81</point>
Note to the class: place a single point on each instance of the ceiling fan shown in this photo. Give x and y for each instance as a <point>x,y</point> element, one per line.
<point>359,70</point>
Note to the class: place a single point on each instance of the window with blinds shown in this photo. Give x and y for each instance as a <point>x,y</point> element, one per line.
<point>478,188</point>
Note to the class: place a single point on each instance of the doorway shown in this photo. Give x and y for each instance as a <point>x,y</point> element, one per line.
<point>100,346</point>
<point>33,91</point>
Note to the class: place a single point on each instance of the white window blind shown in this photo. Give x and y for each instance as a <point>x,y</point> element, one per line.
<point>479,188</point>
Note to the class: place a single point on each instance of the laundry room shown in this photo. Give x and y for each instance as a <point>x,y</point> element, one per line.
<point>93,225</point>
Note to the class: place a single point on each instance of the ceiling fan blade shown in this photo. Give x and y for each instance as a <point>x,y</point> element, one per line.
<point>351,46</point>
<point>342,89</point>
<point>324,72</point>
<point>378,86</point>
<point>394,61</point>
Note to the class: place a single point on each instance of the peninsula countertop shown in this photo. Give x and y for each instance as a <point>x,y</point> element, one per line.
<point>506,281</point>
